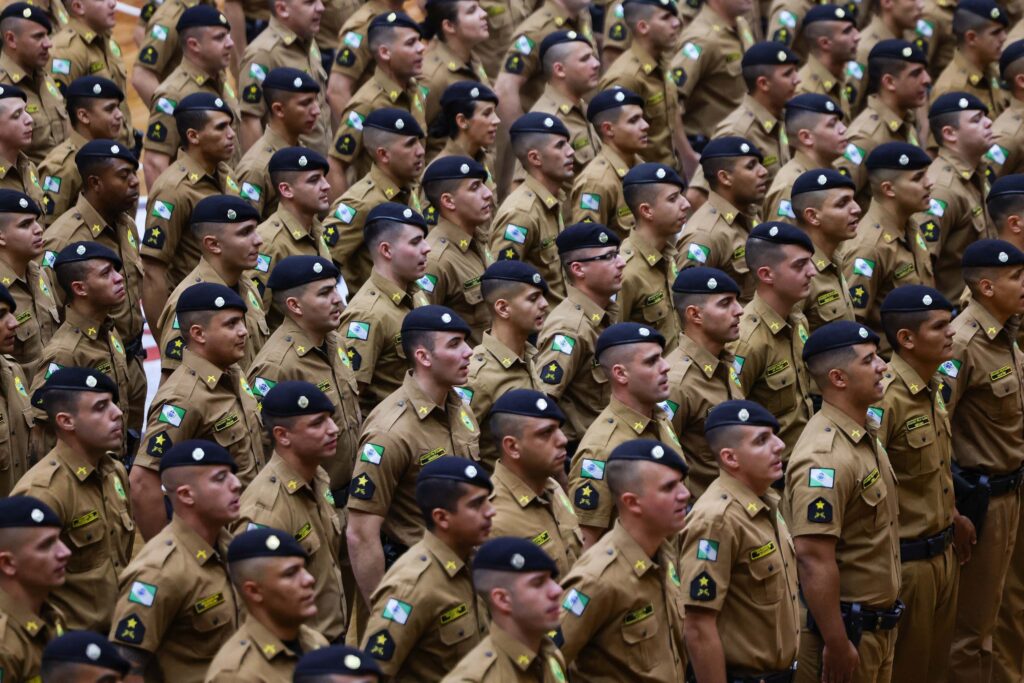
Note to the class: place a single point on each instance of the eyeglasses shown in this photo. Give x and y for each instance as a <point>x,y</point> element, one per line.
<point>603,257</point>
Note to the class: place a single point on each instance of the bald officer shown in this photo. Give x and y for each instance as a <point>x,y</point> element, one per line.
<point>176,606</point>
<point>737,556</point>
<point>842,502</point>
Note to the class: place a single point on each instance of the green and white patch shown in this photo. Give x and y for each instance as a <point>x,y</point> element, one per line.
<point>172,415</point>
<point>864,266</point>
<point>854,154</point>
<point>563,344</point>
<point>163,210</point>
<point>345,213</point>
<point>251,192</point>
<point>358,330</point>
<point>263,386</point>
<point>592,469</point>
<point>951,368</point>
<point>821,478</point>
<point>142,593</point>
<point>50,369</point>
<point>51,183</point>
<point>61,66</point>
<point>263,263</point>
<point>166,105</point>
<point>258,71</point>
<point>670,408</point>
<point>937,207</point>
<point>787,19</point>
<point>875,416</point>
<point>465,393</point>
<point>925,28</point>
<point>737,365</point>
<point>516,233</point>
<point>49,258</point>
<point>707,549</point>
<point>692,51</point>
<point>353,39</point>
<point>698,252</point>
<point>397,611</point>
<point>590,202</point>
<point>159,32</point>
<point>427,282</point>
<point>785,209</point>
<point>355,120</point>
<point>854,70</point>
<point>372,453</point>
<point>576,602</point>
<point>524,45</point>
<point>997,154</point>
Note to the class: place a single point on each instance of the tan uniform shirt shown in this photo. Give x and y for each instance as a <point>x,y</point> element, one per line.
<point>278,46</point>
<point>840,484</point>
<point>280,498</point>
<point>547,520</point>
<point>955,219</point>
<point>186,79</point>
<point>92,504</point>
<point>23,635</point>
<point>874,126</point>
<point>172,342</point>
<point>1006,155</point>
<point>618,423</point>
<point>769,366</point>
<point>160,51</point>
<point>830,297</point>
<point>16,423</point>
<point>441,68</point>
<point>582,137</point>
<point>456,263</point>
<point>174,195</point>
<point>253,172</point>
<point>494,370</point>
<point>425,615</point>
<point>785,22</point>
<point>880,258</point>
<point>986,398</point>
<point>500,658</point>
<point>698,381</point>
<point>253,653</point>
<point>343,227</point>
<point>646,295</point>
<point>46,106</point>
<point>354,58</point>
<point>638,71</point>
<point>36,312</point>
<point>377,93</point>
<point>815,78</point>
<point>566,361</point>
<point>751,120</point>
<point>23,177</point>
<point>914,428</point>
<point>291,355</point>
<point>372,322</point>
<point>738,560</point>
<point>621,617</point>
<point>936,27</point>
<point>778,201</point>
<point>597,194</point>
<point>985,84</point>
<point>872,34</point>
<point>61,180</point>
<point>525,228</point>
<point>176,603</point>
<point>201,401</point>
<point>716,236</point>
<point>401,435</point>
<point>710,58</point>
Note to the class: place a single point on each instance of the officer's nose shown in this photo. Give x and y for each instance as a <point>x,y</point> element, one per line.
<point>234,483</point>
<point>306,580</point>
<point>332,429</point>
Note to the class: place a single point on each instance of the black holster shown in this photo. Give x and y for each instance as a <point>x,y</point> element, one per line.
<point>392,550</point>
<point>972,496</point>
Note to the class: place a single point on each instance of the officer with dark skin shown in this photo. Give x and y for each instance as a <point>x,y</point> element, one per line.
<point>33,562</point>
<point>82,657</point>
<point>337,664</point>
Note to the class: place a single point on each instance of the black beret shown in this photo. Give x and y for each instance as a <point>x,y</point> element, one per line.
<point>1007,185</point>
<point>434,318</point>
<point>393,19</point>
<point>813,102</point>
<point>621,334</point>
<point>513,554</point>
<point>515,271</point>
<point>649,450</point>
<point>818,179</point>
<point>585,236</point>
<point>744,413</point>
<point>456,469</point>
<point>336,659</point>
<point>26,511</point>
<point>782,233</point>
<point>899,156</point>
<point>453,168</point>
<point>955,101</point>
<point>301,269</point>
<point>397,121</point>
<point>913,298</point>
<point>264,542</point>
<point>652,173</point>
<point>837,335</point>
<point>528,403</point>
<point>991,254</point>
<point>730,146</point>
<point>467,91</point>
<point>297,159</point>
<point>86,251</point>
<point>295,397</point>
<point>538,122</point>
<point>209,296</point>
<point>399,213</point>
<point>559,37</point>
<point>94,87</point>
<point>665,4</point>
<point>5,297</point>
<point>828,13</point>
<point>613,98</point>
<point>203,101</point>
<point>895,48</point>
<point>768,53</point>
<point>201,15</point>
<point>101,148</point>
<point>9,91</point>
<point>75,379</point>
<point>196,453</point>
<point>1011,53</point>
<point>14,201</point>
<point>85,647</point>
<point>23,10</point>
<point>986,9</point>
<point>703,280</point>
<point>223,208</point>
<point>290,80</point>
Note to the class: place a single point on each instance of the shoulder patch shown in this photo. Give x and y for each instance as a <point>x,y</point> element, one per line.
<point>130,630</point>
<point>508,254</point>
<point>174,348</point>
<point>586,497</point>
<point>552,373</point>
<point>252,94</point>
<point>859,296</point>
<point>154,238</point>
<point>819,511</point>
<point>354,358</point>
<point>149,55</point>
<point>346,144</point>
<point>345,57</point>
<point>362,487</point>
<point>703,588</point>
<point>515,64</point>
<point>381,646</point>
<point>158,444</point>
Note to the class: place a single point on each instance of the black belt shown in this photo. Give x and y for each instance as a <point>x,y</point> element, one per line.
<point>776,677</point>
<point>926,548</point>
<point>997,484</point>
<point>873,619</point>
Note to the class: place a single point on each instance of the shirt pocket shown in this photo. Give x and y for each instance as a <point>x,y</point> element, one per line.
<point>474,295</point>
<point>922,460</point>
<point>781,397</point>
<point>87,549</point>
<point>1003,404</point>
<point>210,623</point>
<point>308,538</point>
<point>641,643</point>
<point>232,438</point>
<point>874,496</point>
<point>657,311</point>
<point>26,330</point>
<point>767,577</point>
<point>548,255</point>
<point>458,635</point>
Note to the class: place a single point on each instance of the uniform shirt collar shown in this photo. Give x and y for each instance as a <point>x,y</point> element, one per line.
<point>391,291</point>
<point>963,171</point>
<point>522,493</point>
<point>194,546</point>
<point>296,230</point>
<point>83,31</point>
<point>274,140</point>
<point>7,274</point>
<point>855,432</point>
<point>452,61</point>
<point>13,69</point>
<point>269,645</point>
<point>31,623</point>
<point>420,402</point>
<point>90,217</point>
<point>299,338</point>
<point>986,321</point>
<point>891,229</point>
<point>195,172</point>
<point>631,551</point>
<point>769,316</point>
<point>751,502</point>
<point>637,422</point>
<point>650,255</point>
<point>85,326</point>
<point>974,76</point>
<point>703,358</point>
<point>454,234</point>
<point>801,162</point>
<point>445,556</point>
<point>908,375</point>
<point>549,200</point>
<point>594,313</point>
<point>208,373</point>
<point>79,466</point>
<point>504,355</point>
<point>563,103</point>
<point>384,183</point>
<point>195,73</point>
<point>768,121</point>
<point>389,87</point>
<point>727,211</point>
<point>619,164</point>
<point>506,644</point>
<point>647,63</point>
<point>890,118</point>
<point>821,261</point>
<point>287,35</point>
<point>828,80</point>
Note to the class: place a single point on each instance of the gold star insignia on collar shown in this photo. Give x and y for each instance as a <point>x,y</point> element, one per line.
<point>855,433</point>
<point>32,627</point>
<point>463,244</point>
<point>201,555</point>
<point>81,471</point>
<point>523,500</point>
<point>269,649</point>
<point>96,228</point>
<point>648,68</point>
<point>362,480</point>
<point>768,125</point>
<point>506,362</point>
<point>640,565</point>
<point>193,177</point>
<point>396,297</point>
<point>820,505</point>
<point>389,193</point>
<point>821,263</point>
<point>7,280</point>
<point>91,331</point>
<point>966,175</point>
<point>827,84</point>
<point>974,79</point>
<point>595,317</point>
<point>651,259</point>
<point>523,660</point>
<point>292,485</point>
<point>450,565</point>
<point>296,234</point>
<point>729,215</point>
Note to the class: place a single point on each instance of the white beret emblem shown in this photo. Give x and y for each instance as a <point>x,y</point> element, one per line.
<point>352,662</point>
<point>399,124</point>
<point>273,542</point>
<point>80,250</point>
<point>470,471</point>
<point>712,283</point>
<point>863,332</point>
<point>518,561</point>
<point>907,52</point>
<point>644,332</point>
<point>446,318</point>
<point>90,382</point>
<point>218,102</point>
<point>92,651</point>
<point>232,214</point>
<point>97,89</point>
<point>744,148</point>
<point>548,122</point>
<point>657,452</point>
<point>542,404</point>
<point>620,97</point>
<point>303,402</point>
<point>743,415</point>
<point>773,231</point>
<point>303,161</point>
<point>198,454</point>
<point>927,299</point>
<point>297,83</point>
<point>464,169</point>
<point>660,173</point>
<point>218,302</point>
<point>904,160</point>
<point>1003,257</point>
<point>38,516</point>
<point>318,267</point>
<point>822,179</point>
<point>963,103</point>
<point>23,203</point>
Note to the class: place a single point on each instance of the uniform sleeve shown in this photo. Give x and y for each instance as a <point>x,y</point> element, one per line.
<point>700,248</point>
<point>558,360</point>
<point>380,465</point>
<point>145,610</point>
<point>706,561</point>
<point>67,64</point>
<point>397,619</point>
<point>693,61</point>
<point>944,217</point>
<point>172,342</point>
<point>587,606</point>
<point>12,658</point>
<point>818,487</point>
<point>162,132</point>
<point>748,362</point>
<point>165,222</point>
<point>436,282</point>
<point>522,57</point>
<point>851,163</point>
<point>591,499</point>
<point>863,269</point>
<point>343,229</point>
<point>253,183</point>
<point>590,202</point>
<point>631,283</point>
<point>58,189</point>
<point>348,139</point>
<point>782,26</point>
<point>170,421</point>
<point>956,375</point>
<point>254,69</point>
<point>513,235</point>
<point>353,56</point>
<point>364,339</point>
<point>158,47</point>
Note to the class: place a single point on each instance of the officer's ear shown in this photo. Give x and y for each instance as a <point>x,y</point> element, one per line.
<point>766,275</point>
<point>293,306</point>
<point>905,338</point>
<point>442,518</point>
<point>728,459</point>
<point>1014,224</point>
<point>285,189</point>
<point>447,201</point>
<point>838,378</point>
<point>811,216</point>
<point>500,599</point>
<point>805,138</point>
<point>501,309</point>
<point>64,422</point>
